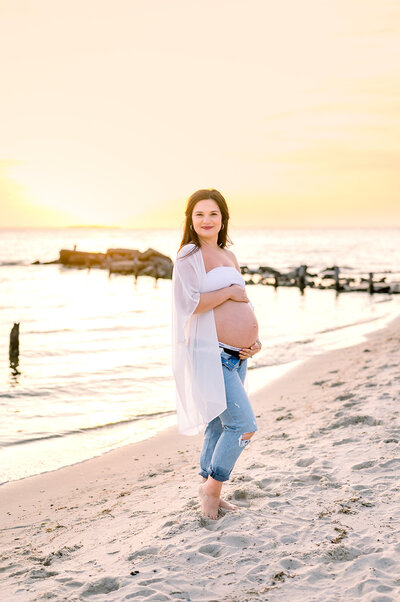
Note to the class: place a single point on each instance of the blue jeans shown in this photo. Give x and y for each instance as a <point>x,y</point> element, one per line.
<point>223,441</point>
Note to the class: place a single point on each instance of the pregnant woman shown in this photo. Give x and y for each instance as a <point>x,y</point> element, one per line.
<point>214,331</point>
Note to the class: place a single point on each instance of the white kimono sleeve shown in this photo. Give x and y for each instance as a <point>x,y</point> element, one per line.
<point>196,359</point>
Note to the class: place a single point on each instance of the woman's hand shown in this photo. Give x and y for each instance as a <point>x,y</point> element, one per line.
<point>250,351</point>
<point>238,293</point>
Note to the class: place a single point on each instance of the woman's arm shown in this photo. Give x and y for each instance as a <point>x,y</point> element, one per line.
<point>214,298</point>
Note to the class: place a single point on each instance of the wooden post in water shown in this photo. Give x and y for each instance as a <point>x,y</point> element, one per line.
<point>336,276</point>
<point>371,283</point>
<point>276,281</point>
<point>14,344</point>
<point>301,280</point>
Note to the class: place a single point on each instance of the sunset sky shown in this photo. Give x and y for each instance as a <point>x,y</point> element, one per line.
<point>114,112</point>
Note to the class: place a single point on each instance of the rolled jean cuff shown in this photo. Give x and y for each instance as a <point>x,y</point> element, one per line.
<point>218,477</point>
<point>203,474</point>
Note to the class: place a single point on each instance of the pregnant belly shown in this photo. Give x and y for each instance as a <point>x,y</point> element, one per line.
<point>236,324</point>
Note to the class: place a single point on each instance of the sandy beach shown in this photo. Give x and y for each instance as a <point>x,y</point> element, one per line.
<point>318,489</point>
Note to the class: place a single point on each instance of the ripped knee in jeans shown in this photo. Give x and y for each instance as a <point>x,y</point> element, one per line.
<point>244,439</point>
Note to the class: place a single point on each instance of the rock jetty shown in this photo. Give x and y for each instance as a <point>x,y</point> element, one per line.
<point>157,265</point>
<point>328,278</point>
<point>120,261</point>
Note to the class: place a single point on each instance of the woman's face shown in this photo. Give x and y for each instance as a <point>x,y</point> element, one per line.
<point>207,219</point>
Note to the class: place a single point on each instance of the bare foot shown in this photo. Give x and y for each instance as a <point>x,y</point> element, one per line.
<point>209,504</point>
<point>227,505</point>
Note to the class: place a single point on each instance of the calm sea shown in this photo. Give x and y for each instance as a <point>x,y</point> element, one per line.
<point>94,370</point>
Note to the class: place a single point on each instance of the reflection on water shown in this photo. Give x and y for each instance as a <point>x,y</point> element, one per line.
<point>14,373</point>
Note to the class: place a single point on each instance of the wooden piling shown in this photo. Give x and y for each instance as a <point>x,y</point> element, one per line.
<point>336,277</point>
<point>14,344</point>
<point>301,279</point>
<point>371,283</point>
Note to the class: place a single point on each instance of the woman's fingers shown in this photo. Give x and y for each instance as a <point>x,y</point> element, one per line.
<point>246,351</point>
<point>250,351</point>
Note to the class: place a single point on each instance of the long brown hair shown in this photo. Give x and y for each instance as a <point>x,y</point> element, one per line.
<point>189,234</point>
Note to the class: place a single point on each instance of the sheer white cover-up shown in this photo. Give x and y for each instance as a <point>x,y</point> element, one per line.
<point>196,356</point>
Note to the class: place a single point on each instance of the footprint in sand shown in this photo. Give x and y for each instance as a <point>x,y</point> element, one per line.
<point>213,550</point>
<point>342,554</point>
<point>255,465</point>
<point>61,553</point>
<point>352,420</point>
<point>344,441</point>
<point>362,465</point>
<point>344,397</point>
<point>237,540</point>
<point>264,483</point>
<point>242,477</point>
<point>242,496</point>
<point>351,404</point>
<point>390,463</point>
<point>303,462</point>
<point>289,563</point>
<point>70,582</point>
<point>38,574</point>
<point>146,593</point>
<point>148,551</point>
<point>287,416</point>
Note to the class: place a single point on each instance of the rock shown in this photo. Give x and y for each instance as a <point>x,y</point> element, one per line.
<point>121,261</point>
<point>123,267</point>
<point>122,254</point>
<point>154,264</point>
<point>150,253</point>
<point>81,258</point>
<point>267,269</point>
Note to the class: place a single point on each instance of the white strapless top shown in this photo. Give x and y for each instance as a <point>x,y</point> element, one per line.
<point>221,277</point>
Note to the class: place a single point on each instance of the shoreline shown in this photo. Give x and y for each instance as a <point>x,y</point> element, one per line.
<point>317,485</point>
<point>257,377</point>
<point>171,431</point>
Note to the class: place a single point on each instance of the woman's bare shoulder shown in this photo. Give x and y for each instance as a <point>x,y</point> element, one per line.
<point>232,256</point>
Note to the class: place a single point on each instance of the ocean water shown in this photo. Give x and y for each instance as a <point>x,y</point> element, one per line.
<point>94,370</point>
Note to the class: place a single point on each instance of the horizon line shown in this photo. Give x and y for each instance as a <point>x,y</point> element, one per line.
<point>286,227</point>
